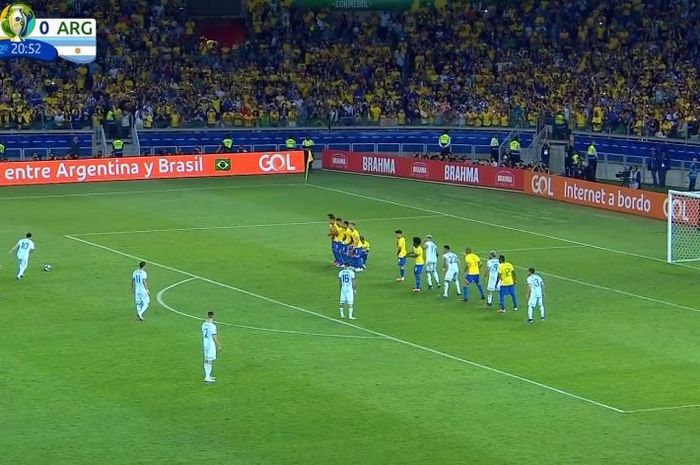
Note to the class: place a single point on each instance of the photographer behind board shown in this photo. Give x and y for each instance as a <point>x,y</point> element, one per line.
<point>624,176</point>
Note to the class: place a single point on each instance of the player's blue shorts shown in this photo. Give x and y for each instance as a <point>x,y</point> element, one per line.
<point>418,270</point>
<point>473,278</point>
<point>402,261</point>
<point>507,291</point>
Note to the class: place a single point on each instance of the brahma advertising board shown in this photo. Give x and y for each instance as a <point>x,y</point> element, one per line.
<point>425,170</point>
<point>145,168</point>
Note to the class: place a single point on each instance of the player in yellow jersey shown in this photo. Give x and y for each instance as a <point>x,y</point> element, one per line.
<point>354,252</point>
<point>364,251</point>
<point>419,255</point>
<point>332,232</point>
<point>401,254</point>
<point>338,239</point>
<point>506,278</point>
<point>473,265</point>
<point>347,243</point>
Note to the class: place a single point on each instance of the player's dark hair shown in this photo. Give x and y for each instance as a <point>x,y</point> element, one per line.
<point>142,264</point>
<point>210,314</point>
<point>447,247</point>
<point>416,241</point>
<point>352,223</point>
<point>398,231</point>
<point>531,270</point>
<point>362,238</point>
<point>29,234</point>
<point>339,219</point>
<point>501,258</point>
<point>331,216</point>
<point>346,222</point>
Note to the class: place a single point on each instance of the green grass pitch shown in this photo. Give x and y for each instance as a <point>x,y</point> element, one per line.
<point>610,378</point>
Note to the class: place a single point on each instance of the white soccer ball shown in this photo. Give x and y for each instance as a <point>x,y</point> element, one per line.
<point>48,267</point>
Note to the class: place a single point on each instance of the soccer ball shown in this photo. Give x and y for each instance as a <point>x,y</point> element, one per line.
<point>48,267</point>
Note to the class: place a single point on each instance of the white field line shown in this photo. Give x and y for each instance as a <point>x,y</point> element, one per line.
<point>160,300</point>
<point>579,244</point>
<point>243,226</point>
<point>149,191</point>
<point>663,409</point>
<point>530,249</point>
<point>485,223</point>
<point>370,331</point>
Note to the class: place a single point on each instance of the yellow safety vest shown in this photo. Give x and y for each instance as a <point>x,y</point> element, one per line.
<point>228,143</point>
<point>110,116</point>
<point>2,149</point>
<point>445,140</point>
<point>118,144</point>
<point>514,146</point>
<point>559,119</point>
<point>308,143</point>
<point>290,143</point>
<point>592,152</point>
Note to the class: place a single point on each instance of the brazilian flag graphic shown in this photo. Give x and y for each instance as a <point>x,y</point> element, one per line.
<point>222,164</point>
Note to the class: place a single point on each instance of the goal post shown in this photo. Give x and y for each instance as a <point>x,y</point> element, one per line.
<point>683,227</point>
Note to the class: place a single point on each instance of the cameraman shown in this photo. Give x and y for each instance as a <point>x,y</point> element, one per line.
<point>624,176</point>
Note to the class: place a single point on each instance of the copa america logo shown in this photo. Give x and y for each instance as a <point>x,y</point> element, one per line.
<point>17,21</point>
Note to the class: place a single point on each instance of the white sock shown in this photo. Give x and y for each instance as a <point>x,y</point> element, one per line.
<point>207,370</point>
<point>430,280</point>
<point>530,311</point>
<point>542,311</point>
<point>459,289</point>
<point>342,313</point>
<point>437,278</point>
<point>489,298</point>
<point>22,268</point>
<point>138,309</point>
<point>446,289</point>
<point>350,312</point>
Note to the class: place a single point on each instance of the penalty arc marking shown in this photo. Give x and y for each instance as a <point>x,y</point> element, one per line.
<point>163,304</point>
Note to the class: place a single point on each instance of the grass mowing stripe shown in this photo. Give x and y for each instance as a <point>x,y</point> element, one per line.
<point>377,333</point>
<point>237,226</point>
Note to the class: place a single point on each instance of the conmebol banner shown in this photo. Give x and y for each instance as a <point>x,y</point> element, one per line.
<point>426,170</point>
<point>144,168</point>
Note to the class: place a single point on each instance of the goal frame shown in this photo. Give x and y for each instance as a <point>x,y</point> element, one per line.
<point>670,216</point>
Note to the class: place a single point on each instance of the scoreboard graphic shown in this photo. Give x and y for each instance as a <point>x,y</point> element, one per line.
<point>22,34</point>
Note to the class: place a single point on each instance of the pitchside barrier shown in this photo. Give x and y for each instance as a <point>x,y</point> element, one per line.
<point>144,168</point>
<point>608,197</point>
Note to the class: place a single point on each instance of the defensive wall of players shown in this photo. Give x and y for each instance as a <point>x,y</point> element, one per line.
<point>605,196</point>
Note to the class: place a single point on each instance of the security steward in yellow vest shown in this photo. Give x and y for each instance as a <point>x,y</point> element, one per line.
<point>592,154</point>
<point>118,148</point>
<point>514,147</point>
<point>2,150</point>
<point>290,144</point>
<point>445,143</point>
<point>308,146</point>
<point>226,145</point>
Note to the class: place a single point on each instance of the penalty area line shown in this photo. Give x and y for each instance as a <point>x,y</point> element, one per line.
<point>370,331</point>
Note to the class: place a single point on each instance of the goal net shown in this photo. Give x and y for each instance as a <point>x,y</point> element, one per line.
<point>683,234</point>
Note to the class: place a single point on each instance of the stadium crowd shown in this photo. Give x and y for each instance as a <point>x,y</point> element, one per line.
<point>627,66</point>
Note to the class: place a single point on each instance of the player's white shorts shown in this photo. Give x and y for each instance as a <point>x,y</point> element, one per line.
<point>209,351</point>
<point>23,261</point>
<point>535,301</point>
<point>347,297</point>
<point>142,298</point>
<point>493,286</point>
<point>430,266</point>
<point>452,273</point>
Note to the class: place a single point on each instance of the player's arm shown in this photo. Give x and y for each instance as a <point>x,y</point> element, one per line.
<point>13,248</point>
<point>354,286</point>
<point>529,290</point>
<point>132,284</point>
<point>216,341</point>
<point>514,280</point>
<point>145,285</point>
